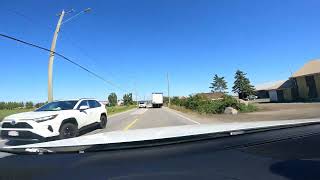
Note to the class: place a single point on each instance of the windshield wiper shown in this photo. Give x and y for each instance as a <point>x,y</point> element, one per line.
<point>27,151</point>
<point>47,150</point>
<point>38,150</point>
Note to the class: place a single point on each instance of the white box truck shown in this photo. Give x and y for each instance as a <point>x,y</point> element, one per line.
<point>157,100</point>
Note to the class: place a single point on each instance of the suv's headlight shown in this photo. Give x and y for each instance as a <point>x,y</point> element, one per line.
<point>46,118</point>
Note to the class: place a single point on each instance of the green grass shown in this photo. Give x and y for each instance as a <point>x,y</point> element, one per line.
<point>7,112</point>
<point>248,108</point>
<point>118,109</point>
<point>181,109</point>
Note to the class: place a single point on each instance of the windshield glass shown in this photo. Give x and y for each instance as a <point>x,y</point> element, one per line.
<point>57,106</point>
<point>139,65</point>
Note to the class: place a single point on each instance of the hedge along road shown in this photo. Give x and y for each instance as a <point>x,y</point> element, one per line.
<point>134,119</point>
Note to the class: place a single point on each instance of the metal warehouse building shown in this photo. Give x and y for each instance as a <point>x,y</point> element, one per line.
<point>303,85</point>
<point>278,91</point>
<point>307,81</point>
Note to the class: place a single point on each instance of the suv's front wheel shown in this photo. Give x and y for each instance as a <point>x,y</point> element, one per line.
<point>68,130</point>
<point>103,121</point>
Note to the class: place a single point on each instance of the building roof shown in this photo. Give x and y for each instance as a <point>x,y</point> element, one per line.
<point>281,84</point>
<point>269,85</point>
<point>311,67</point>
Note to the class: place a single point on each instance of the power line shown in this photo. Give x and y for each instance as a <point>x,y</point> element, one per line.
<point>27,18</point>
<point>90,59</point>
<point>69,40</point>
<point>64,57</point>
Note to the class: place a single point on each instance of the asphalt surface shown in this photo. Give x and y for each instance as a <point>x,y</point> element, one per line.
<point>132,119</point>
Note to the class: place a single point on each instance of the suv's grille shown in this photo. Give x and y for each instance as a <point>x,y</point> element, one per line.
<point>17,125</point>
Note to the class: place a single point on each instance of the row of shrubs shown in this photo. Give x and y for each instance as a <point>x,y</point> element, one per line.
<point>202,104</point>
<point>17,105</point>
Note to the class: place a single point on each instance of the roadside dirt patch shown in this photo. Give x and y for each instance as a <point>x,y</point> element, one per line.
<point>283,106</point>
<point>285,111</point>
<point>266,112</point>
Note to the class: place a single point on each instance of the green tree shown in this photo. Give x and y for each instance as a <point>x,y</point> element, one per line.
<point>37,105</point>
<point>112,98</point>
<point>218,84</point>
<point>127,99</point>
<point>29,105</point>
<point>165,100</point>
<point>242,85</point>
<point>21,105</point>
<point>2,105</point>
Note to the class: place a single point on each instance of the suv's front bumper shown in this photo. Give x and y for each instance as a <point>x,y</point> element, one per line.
<point>30,130</point>
<point>23,136</point>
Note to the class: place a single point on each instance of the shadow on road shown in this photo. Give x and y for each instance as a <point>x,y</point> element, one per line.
<point>89,129</point>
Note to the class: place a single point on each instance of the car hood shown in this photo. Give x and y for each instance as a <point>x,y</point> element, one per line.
<point>30,115</point>
<point>163,132</point>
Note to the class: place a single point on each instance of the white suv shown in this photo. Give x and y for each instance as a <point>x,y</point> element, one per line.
<point>58,119</point>
<point>142,104</point>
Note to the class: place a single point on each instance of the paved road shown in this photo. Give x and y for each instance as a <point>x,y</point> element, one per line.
<point>134,119</point>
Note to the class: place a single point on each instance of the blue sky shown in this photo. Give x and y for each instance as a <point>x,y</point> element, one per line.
<point>134,43</point>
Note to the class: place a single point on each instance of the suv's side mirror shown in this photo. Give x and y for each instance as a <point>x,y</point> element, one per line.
<point>82,108</point>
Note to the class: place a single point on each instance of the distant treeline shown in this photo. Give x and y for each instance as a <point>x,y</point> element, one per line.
<point>19,105</point>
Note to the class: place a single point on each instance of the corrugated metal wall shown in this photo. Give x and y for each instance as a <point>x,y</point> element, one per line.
<point>317,79</point>
<point>273,96</point>
<point>287,94</point>
<point>302,87</point>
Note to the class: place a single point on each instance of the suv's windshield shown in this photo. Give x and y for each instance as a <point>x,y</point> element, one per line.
<point>58,105</point>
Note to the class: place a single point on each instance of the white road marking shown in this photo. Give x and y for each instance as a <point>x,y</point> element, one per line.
<point>182,116</point>
<point>139,111</point>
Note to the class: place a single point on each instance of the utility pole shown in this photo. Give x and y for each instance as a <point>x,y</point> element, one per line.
<point>53,47</point>
<point>137,98</point>
<point>168,89</point>
<point>136,92</point>
<point>51,57</point>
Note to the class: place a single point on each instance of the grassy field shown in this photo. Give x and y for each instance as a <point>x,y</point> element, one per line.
<point>118,109</point>
<point>7,112</point>
<point>111,110</point>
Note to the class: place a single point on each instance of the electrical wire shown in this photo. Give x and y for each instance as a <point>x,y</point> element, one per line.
<point>47,27</point>
<point>63,57</point>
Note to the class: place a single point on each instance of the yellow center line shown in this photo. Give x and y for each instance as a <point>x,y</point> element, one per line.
<point>130,125</point>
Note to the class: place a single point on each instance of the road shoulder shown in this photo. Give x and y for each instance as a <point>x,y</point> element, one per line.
<point>190,117</point>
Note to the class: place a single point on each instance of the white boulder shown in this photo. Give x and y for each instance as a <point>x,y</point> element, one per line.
<point>230,110</point>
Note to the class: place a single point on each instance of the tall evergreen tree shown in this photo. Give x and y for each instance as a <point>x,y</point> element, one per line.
<point>127,99</point>
<point>218,84</point>
<point>242,85</point>
<point>112,98</point>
